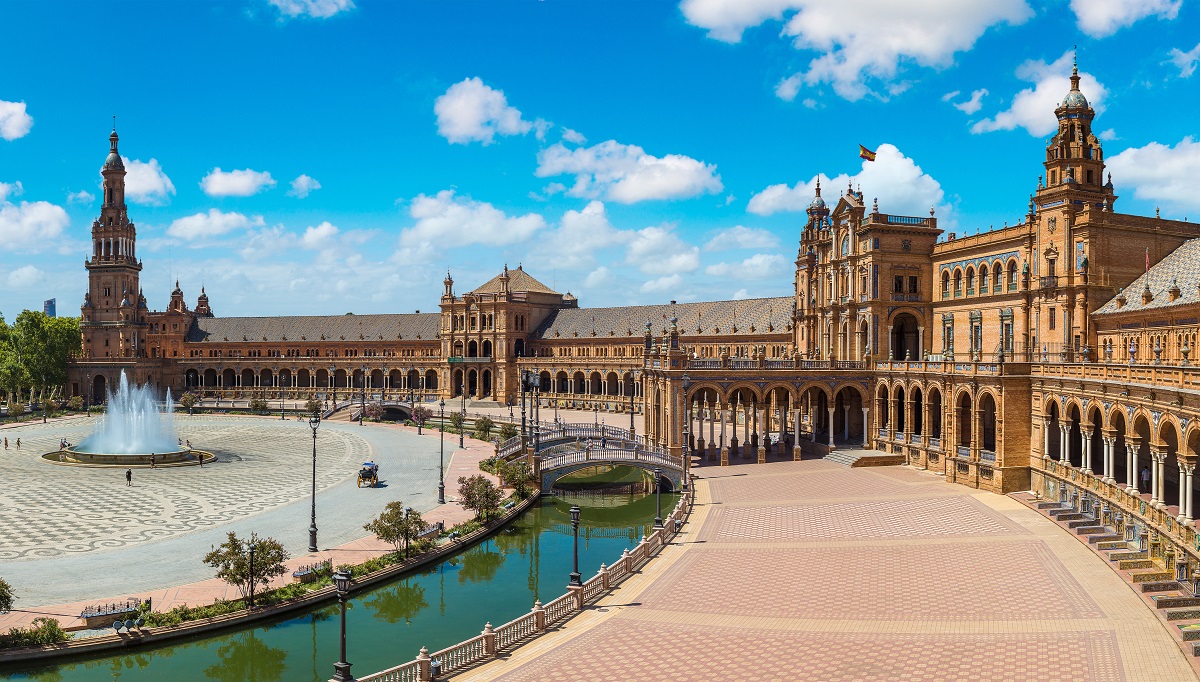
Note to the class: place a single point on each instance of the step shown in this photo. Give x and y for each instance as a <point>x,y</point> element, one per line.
<point>1081,522</point>
<point>1122,555</point>
<point>1158,586</point>
<point>1183,614</point>
<point>1167,601</point>
<point>1049,505</point>
<point>1190,632</point>
<point>1067,514</point>
<point>1134,564</point>
<point>1091,530</point>
<point>1196,649</point>
<point>1105,543</point>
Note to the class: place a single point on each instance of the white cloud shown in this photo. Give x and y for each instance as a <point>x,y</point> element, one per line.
<point>741,237</point>
<point>302,186</point>
<point>665,283</point>
<point>656,250</point>
<point>1160,172</point>
<point>627,174</point>
<point>29,225</point>
<point>1108,135</point>
<point>146,183</point>
<point>25,276</point>
<point>1100,18</point>
<point>81,197</point>
<point>741,295</point>
<point>319,237</point>
<point>236,183</point>
<point>789,87</point>
<point>14,121</point>
<point>540,127</point>
<point>599,277</point>
<point>573,136</point>
<point>860,41</point>
<point>211,224</point>
<point>470,111</point>
<point>580,236</point>
<point>317,9</point>
<point>446,220</point>
<point>809,103</point>
<point>1185,61</point>
<point>1033,108</point>
<point>970,106</point>
<point>895,179</point>
<point>758,266</point>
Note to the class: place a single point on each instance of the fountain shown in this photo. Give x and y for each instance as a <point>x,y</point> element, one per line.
<point>130,432</point>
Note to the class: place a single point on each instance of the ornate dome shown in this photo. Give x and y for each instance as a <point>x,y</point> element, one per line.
<point>1075,99</point>
<point>113,161</point>
<point>817,203</point>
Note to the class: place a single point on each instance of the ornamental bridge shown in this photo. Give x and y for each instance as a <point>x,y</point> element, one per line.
<point>562,448</point>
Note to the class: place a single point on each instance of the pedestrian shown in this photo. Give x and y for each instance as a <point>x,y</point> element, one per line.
<point>151,460</point>
<point>603,442</point>
<point>1145,476</point>
<point>6,442</point>
<point>189,444</point>
<point>18,443</point>
<point>129,477</point>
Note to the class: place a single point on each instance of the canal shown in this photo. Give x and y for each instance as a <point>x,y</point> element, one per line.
<point>495,581</point>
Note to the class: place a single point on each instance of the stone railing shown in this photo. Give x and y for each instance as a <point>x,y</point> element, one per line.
<point>493,641</point>
<point>657,457</point>
<point>1159,376</point>
<point>1175,544</point>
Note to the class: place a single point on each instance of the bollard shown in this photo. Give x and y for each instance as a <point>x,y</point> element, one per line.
<point>539,616</point>
<point>489,639</point>
<point>424,674</point>
<point>577,592</point>
<point>604,576</point>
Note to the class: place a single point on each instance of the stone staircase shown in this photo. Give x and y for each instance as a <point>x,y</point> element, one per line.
<point>856,457</point>
<point>1177,603</point>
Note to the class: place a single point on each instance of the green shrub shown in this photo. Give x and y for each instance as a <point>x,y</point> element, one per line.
<point>75,403</point>
<point>43,631</point>
<point>257,406</point>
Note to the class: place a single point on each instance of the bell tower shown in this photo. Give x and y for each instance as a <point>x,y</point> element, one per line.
<point>111,316</point>
<point>1074,158</point>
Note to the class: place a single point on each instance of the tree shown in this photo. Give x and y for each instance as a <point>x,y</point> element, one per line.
<point>478,494</point>
<point>456,421</point>
<point>257,406</point>
<point>397,528</point>
<point>42,346</point>
<point>374,411</point>
<point>188,400</point>
<point>75,403</point>
<point>507,431</point>
<point>6,597</point>
<point>312,406</point>
<point>232,561</point>
<point>484,427</point>
<point>421,414</point>
<point>517,474</point>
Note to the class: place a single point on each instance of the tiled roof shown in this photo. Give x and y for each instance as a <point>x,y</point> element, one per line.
<point>709,317</point>
<point>311,328</point>
<point>1179,268</point>
<point>518,280</point>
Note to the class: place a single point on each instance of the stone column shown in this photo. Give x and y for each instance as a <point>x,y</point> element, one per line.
<point>1187,514</point>
<point>845,422</point>
<point>1087,450</point>
<point>1046,437</point>
<point>1131,462</point>
<point>762,437</point>
<point>1182,491</point>
<point>1109,445</point>
<point>1064,440</point>
<point>1160,485</point>
<point>724,443</point>
<point>866,427</point>
<point>1154,478</point>
<point>796,431</point>
<point>831,411</point>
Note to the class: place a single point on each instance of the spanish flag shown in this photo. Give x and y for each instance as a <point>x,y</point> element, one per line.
<point>865,153</point>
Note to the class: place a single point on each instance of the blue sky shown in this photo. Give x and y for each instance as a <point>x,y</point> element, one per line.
<point>326,156</point>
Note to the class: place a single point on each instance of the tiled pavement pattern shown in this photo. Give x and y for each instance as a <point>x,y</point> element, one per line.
<point>768,582</point>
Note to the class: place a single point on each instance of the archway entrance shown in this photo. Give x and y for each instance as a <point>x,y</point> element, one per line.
<point>905,338</point>
<point>99,392</point>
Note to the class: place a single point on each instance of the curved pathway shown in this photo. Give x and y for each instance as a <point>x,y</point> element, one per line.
<point>814,571</point>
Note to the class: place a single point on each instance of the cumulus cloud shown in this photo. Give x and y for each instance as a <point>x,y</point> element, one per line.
<point>471,111</point>
<point>758,266</point>
<point>969,106</point>
<point>80,197</point>
<point>895,179</point>
<point>789,87</point>
<point>741,237</point>
<point>869,50</point>
<point>661,284</point>
<point>573,136</point>
<point>24,277</point>
<point>627,174</point>
<point>1100,18</point>
<point>28,225</point>
<point>446,219</point>
<point>211,224</point>
<point>1160,172</point>
<point>657,250</point>
<point>236,183</point>
<point>317,9</point>
<point>146,183</point>
<point>1033,108</point>
<point>302,186</point>
<point>14,121</point>
<point>599,277</point>
<point>580,236</point>
<point>1107,135</point>
<point>1185,61</point>
<point>319,237</point>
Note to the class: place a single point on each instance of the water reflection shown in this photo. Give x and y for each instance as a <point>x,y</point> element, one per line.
<point>247,658</point>
<point>400,602</point>
<point>480,564</point>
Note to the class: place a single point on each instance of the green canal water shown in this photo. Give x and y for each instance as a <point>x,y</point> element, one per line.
<point>495,581</point>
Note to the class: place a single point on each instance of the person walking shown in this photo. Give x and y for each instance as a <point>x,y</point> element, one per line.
<point>129,477</point>
<point>1145,479</point>
<point>151,460</point>
<point>18,443</point>
<point>6,442</point>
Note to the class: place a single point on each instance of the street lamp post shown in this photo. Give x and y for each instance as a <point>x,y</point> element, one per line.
<point>632,391</point>
<point>575,577</point>
<point>524,388</point>
<point>362,405</point>
<point>314,421</point>
<point>462,427</point>
<point>251,596</point>
<point>279,385</point>
<point>658,522</point>
<point>341,669</point>
<point>442,453</point>
<point>407,511</point>
<point>687,425</point>
<point>87,393</point>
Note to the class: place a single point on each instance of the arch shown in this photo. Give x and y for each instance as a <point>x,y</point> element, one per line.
<point>486,349</point>
<point>210,377</point>
<point>1168,436</point>
<point>594,387</point>
<point>398,379</point>
<point>285,378</point>
<point>457,351</point>
<point>562,382</point>
<point>431,380</point>
<point>997,277</point>
<point>519,348</point>
<point>266,378</point>
<point>898,408</point>
<point>456,383</point>
<point>1012,274</point>
<point>322,378</point>
<point>849,422</point>
<point>612,385</point>
<point>916,402</point>
<point>99,390</point>
<point>984,278</point>
<point>965,420</point>
<point>970,277</point>
<point>544,382</point>
<point>247,378</point>
<point>376,380</point>
<point>339,378</point>
<point>485,384</point>
<point>906,344</point>
<point>472,349</point>
<point>191,378</point>
<point>987,422</point>
<point>228,378</point>
<point>1074,434</point>
<point>578,383</point>
<point>945,284</point>
<point>1139,440</point>
<point>958,279</point>
<point>304,378</point>
<point>934,401</point>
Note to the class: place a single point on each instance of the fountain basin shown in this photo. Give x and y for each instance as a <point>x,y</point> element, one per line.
<point>175,458</point>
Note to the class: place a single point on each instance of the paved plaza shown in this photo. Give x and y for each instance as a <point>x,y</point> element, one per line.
<point>75,533</point>
<point>814,571</point>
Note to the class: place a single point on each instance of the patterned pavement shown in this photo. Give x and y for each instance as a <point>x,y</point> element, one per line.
<point>811,571</point>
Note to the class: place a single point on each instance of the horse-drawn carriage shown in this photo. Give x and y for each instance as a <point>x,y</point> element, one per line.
<point>368,475</point>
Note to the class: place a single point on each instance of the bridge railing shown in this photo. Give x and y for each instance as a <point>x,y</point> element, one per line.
<point>612,455</point>
<point>491,643</point>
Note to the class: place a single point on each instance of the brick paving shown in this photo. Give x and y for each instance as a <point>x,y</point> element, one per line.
<point>804,571</point>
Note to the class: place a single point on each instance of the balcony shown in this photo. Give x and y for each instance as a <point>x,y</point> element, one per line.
<point>1048,282</point>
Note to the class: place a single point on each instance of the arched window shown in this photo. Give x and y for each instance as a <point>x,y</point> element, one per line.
<point>945,284</point>
<point>957,283</point>
<point>983,280</point>
<point>1012,275</point>
<point>970,281</point>
<point>846,245</point>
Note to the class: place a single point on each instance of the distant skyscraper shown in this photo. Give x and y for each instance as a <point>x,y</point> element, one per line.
<point>48,307</point>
